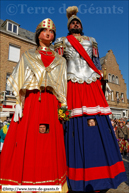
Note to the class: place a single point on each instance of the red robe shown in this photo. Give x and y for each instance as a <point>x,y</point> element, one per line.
<point>29,157</point>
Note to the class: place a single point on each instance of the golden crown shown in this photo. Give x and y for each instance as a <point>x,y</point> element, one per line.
<point>47,23</point>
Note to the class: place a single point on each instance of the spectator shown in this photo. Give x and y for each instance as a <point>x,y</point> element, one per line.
<point>91,122</point>
<point>127,123</point>
<point>122,134</point>
<point>5,122</point>
<point>3,133</point>
<point>114,126</point>
<point>1,124</point>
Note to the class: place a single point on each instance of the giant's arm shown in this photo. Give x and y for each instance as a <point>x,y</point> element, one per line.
<point>95,57</point>
<point>59,45</point>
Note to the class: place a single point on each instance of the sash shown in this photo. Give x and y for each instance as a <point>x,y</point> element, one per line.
<point>75,43</point>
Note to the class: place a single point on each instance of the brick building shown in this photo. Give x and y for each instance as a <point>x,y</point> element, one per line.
<point>117,99</point>
<point>14,42</point>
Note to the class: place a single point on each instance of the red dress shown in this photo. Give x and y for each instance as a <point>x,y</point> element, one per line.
<point>87,99</point>
<point>29,157</point>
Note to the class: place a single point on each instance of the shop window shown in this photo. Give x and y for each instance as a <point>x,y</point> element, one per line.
<point>8,89</point>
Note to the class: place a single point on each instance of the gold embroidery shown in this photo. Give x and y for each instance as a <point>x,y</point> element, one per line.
<point>10,181</point>
<point>35,182</point>
<point>81,38</point>
<point>14,80</point>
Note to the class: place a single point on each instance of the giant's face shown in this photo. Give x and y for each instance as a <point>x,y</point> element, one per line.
<point>75,24</point>
<point>47,35</point>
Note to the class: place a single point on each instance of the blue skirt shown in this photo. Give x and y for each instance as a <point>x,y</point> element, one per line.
<point>94,161</point>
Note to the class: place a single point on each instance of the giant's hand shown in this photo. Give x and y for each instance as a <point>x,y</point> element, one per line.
<point>18,113</point>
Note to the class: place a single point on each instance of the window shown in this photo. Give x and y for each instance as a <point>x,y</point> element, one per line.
<point>122,97</point>
<point>8,89</point>
<point>14,53</point>
<point>12,27</point>
<point>9,26</point>
<point>112,95</point>
<point>109,77</point>
<point>117,116</point>
<point>106,95</point>
<point>107,91</point>
<point>113,78</point>
<point>124,114</point>
<point>117,81</point>
<point>117,97</point>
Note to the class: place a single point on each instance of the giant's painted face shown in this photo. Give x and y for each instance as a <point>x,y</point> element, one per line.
<point>46,36</point>
<point>75,24</point>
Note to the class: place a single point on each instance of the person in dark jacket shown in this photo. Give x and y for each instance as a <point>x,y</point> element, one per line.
<point>122,134</point>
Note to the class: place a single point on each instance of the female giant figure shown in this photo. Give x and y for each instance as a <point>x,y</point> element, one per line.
<point>39,82</point>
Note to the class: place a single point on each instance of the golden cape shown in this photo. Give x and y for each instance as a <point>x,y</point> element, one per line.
<point>30,73</point>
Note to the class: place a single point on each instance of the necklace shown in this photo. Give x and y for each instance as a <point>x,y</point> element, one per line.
<point>46,51</point>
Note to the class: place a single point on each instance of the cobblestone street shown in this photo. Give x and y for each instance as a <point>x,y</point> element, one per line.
<point>123,187</point>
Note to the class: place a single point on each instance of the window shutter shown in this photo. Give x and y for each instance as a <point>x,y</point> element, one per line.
<point>14,53</point>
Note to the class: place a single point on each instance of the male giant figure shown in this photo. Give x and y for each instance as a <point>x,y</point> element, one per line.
<point>93,158</point>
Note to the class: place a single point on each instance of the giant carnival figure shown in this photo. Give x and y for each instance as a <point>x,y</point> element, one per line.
<point>30,155</point>
<point>93,157</point>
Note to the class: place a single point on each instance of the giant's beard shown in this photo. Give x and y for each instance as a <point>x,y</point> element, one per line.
<point>75,31</point>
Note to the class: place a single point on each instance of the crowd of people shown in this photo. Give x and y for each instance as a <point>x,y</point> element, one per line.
<point>121,130</point>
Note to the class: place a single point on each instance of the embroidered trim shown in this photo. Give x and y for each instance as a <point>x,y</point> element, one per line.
<point>90,110</point>
<point>79,80</point>
<point>61,179</point>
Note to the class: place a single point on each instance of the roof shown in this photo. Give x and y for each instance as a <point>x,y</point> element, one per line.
<point>26,34</point>
<point>21,32</point>
<point>10,21</point>
<point>1,22</point>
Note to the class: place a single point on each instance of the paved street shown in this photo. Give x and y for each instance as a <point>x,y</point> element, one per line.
<point>123,187</point>
<point>126,163</point>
